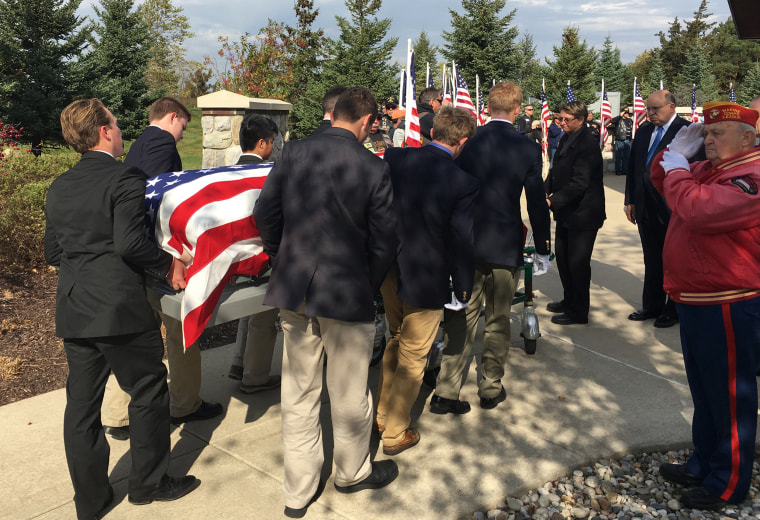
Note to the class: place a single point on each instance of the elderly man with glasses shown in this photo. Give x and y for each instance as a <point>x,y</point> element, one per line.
<point>525,122</point>
<point>647,209</point>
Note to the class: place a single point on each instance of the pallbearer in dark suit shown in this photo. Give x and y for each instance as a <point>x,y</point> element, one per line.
<point>433,200</point>
<point>328,105</point>
<point>95,232</point>
<point>645,207</point>
<point>575,194</point>
<point>505,163</point>
<point>325,217</point>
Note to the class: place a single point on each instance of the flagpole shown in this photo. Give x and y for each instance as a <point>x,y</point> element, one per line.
<point>477,97</point>
<point>402,79</point>
<point>634,125</point>
<point>427,72</point>
<point>453,85</point>
<point>601,118</point>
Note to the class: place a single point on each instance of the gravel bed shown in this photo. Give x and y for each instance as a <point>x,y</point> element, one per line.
<point>630,488</point>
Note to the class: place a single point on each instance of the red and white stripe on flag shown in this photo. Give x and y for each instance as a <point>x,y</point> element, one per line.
<point>463,99</point>
<point>209,214</point>
<point>606,116</point>
<point>545,116</point>
<point>412,134</point>
<point>639,108</point>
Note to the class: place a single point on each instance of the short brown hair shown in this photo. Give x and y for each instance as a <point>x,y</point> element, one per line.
<point>504,97</point>
<point>167,105</point>
<point>355,103</point>
<point>577,108</point>
<point>452,124</point>
<point>81,122</point>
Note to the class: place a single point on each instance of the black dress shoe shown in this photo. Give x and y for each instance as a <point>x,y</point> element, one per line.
<point>300,512</point>
<point>442,406</point>
<point>488,403</point>
<point>679,474</point>
<point>700,498</point>
<point>120,433</point>
<point>383,473</point>
<point>642,315</point>
<point>555,307</point>
<point>169,489</point>
<point>206,410</point>
<point>564,319</point>
<point>664,321</point>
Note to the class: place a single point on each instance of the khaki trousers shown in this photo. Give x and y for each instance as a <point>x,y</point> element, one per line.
<point>184,376</point>
<point>254,348</point>
<point>412,333</point>
<point>347,348</point>
<point>495,285</point>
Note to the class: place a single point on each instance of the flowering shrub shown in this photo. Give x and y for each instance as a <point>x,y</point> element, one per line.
<point>9,138</point>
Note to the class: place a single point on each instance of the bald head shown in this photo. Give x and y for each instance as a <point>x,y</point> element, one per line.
<point>661,107</point>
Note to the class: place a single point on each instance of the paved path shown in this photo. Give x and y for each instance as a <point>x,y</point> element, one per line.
<point>604,389</point>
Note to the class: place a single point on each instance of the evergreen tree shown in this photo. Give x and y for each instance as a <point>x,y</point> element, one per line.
<point>483,42</point>
<point>730,58</point>
<point>168,29</point>
<point>361,54</point>
<point>696,70</point>
<point>675,46</point>
<point>574,62</point>
<point>750,86</point>
<point>528,74</point>
<point>656,76</point>
<point>117,64</point>
<point>617,77</point>
<point>39,41</point>
<point>425,54</point>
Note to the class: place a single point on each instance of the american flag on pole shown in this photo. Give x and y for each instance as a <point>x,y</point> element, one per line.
<point>606,117</point>
<point>481,106</point>
<point>694,115</point>
<point>639,109</point>
<point>446,85</point>
<point>209,214</point>
<point>413,137</point>
<point>545,116</point>
<point>463,99</point>
<point>429,82</point>
<point>732,94</point>
<point>570,93</point>
<point>402,89</point>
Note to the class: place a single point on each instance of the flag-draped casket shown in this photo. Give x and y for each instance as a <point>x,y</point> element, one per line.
<point>209,215</point>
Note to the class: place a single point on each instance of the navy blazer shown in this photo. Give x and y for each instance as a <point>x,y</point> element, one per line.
<point>575,182</point>
<point>154,152</point>
<point>433,200</point>
<point>95,232</point>
<point>506,163</point>
<point>325,215</point>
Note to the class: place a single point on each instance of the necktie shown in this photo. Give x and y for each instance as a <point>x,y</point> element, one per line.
<point>657,137</point>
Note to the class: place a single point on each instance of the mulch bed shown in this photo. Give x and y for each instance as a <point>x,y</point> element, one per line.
<point>32,359</point>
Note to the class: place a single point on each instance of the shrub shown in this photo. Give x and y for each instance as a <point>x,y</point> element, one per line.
<point>24,182</point>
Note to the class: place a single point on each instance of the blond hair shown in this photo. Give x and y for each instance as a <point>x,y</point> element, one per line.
<point>81,122</point>
<point>451,124</point>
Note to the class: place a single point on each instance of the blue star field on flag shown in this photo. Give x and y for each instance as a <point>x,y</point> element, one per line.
<point>570,94</point>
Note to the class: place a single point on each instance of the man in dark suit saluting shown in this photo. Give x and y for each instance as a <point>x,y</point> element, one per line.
<point>433,199</point>
<point>505,163</point>
<point>95,232</point>
<point>645,207</point>
<point>325,217</point>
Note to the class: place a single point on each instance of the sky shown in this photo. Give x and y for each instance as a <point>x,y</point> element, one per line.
<point>631,24</point>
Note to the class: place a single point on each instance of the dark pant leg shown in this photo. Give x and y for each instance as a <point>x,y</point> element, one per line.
<point>580,245</point>
<point>136,362</point>
<point>85,443</point>
<point>561,253</point>
<point>626,154</point>
<point>619,156</point>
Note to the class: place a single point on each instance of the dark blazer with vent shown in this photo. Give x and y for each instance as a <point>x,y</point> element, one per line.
<point>95,232</point>
<point>154,152</point>
<point>325,215</point>
<point>433,200</point>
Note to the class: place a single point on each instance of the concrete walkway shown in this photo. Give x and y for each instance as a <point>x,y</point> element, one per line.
<point>605,389</point>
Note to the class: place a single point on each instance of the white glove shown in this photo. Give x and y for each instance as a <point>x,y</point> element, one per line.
<point>673,160</point>
<point>540,264</point>
<point>455,304</point>
<point>688,140</point>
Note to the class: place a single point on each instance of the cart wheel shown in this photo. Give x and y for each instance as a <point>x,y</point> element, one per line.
<point>530,346</point>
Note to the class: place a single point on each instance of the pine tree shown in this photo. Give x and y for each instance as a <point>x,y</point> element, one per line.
<point>528,74</point>
<point>750,86</point>
<point>425,54</point>
<point>168,29</point>
<point>574,62</point>
<point>39,42</point>
<point>483,42</point>
<point>118,61</point>
<point>656,76</point>
<point>696,70</point>
<point>730,58</point>
<point>617,77</point>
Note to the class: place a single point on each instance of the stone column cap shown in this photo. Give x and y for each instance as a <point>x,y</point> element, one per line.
<point>227,99</point>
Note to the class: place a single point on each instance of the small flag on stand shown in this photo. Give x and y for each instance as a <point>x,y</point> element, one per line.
<point>545,116</point>
<point>429,82</point>
<point>481,106</point>
<point>732,94</point>
<point>463,99</point>
<point>606,117</point>
<point>570,94</point>
<point>413,138</point>
<point>639,108</point>
<point>694,115</point>
<point>446,85</point>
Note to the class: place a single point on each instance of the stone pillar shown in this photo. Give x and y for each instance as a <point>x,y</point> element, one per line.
<point>221,117</point>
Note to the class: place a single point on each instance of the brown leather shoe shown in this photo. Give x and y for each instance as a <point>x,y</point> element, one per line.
<point>411,438</point>
<point>380,428</point>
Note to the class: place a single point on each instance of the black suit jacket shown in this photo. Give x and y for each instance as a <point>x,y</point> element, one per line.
<point>575,182</point>
<point>154,152</point>
<point>95,232</point>
<point>433,200</point>
<point>323,125</point>
<point>505,163</point>
<point>325,215</point>
<point>250,159</point>
<point>638,186</point>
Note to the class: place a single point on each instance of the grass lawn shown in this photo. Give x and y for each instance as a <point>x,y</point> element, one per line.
<point>191,146</point>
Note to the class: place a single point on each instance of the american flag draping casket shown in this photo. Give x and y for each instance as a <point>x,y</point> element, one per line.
<point>209,214</point>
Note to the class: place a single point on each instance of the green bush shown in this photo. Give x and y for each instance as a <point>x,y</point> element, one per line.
<point>24,182</point>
